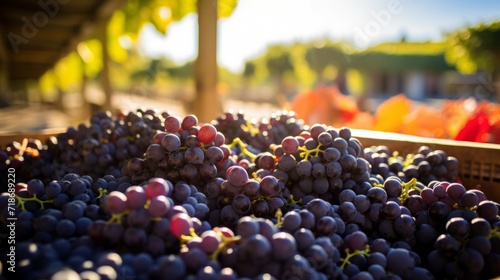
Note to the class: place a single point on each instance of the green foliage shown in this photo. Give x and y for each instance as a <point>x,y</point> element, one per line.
<point>475,48</point>
<point>128,22</point>
<point>278,60</point>
<point>378,61</point>
<point>319,58</point>
<point>249,69</point>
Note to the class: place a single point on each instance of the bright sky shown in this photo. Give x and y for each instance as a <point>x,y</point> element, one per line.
<point>255,24</point>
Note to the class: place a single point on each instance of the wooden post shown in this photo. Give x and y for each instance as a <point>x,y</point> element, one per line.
<point>104,76</point>
<point>86,110</point>
<point>4,69</point>
<point>207,103</point>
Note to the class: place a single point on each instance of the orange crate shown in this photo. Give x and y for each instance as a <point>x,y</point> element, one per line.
<point>479,162</point>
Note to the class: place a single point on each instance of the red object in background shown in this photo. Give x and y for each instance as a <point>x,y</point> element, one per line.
<point>476,129</point>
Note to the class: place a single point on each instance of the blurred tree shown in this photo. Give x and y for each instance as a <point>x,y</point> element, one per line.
<point>477,48</point>
<point>249,69</point>
<point>319,58</point>
<point>279,63</point>
<point>128,21</point>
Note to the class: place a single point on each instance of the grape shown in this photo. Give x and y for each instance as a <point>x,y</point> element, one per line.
<point>428,196</point>
<point>347,211</point>
<point>251,189</point>
<point>77,187</point>
<point>270,186</point>
<point>326,226</point>
<point>36,187</point>
<point>229,216</point>
<point>318,208</point>
<point>116,202</point>
<point>377,195</point>
<point>174,266</point>
<point>392,187</point>
<point>158,206</point>
<point>214,154</point>
<point>181,224</point>
<point>237,175</point>
<point>158,187</point>
<point>207,133</point>
<point>405,225</point>
<point>458,227</point>
<point>472,260</point>
<point>53,189</point>
<point>155,152</point>
<point>73,211</point>
<point>136,197</point>
<point>171,143</point>
<point>194,156</point>
<point>283,245</point>
<point>287,163</point>
<point>400,262</point>
<point>189,121</point>
<point>469,199</point>
<point>256,248</point>
<point>290,145</point>
<point>303,168</point>
<point>487,209</point>
<point>317,256</point>
<point>172,124</point>
<point>242,204</point>
<point>455,191</point>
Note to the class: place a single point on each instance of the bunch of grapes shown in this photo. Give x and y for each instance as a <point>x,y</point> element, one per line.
<point>239,196</point>
<point>155,196</point>
<point>101,148</point>
<point>258,134</point>
<point>426,164</point>
<point>185,151</point>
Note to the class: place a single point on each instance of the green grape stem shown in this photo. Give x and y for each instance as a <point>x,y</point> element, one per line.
<point>22,200</point>
<point>279,220</point>
<point>244,150</point>
<point>185,238</point>
<point>345,261</point>
<point>118,217</point>
<point>494,232</point>
<point>226,240</point>
<point>307,154</point>
<point>291,201</point>
<point>250,128</point>
<point>407,187</point>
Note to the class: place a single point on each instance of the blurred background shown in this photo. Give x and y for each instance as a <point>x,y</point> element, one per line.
<point>415,67</point>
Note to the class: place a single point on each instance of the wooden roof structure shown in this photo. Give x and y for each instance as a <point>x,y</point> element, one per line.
<point>35,34</point>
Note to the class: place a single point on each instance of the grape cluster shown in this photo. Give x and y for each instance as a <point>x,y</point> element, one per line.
<point>426,164</point>
<point>259,134</point>
<point>320,162</point>
<point>101,148</point>
<point>154,196</point>
<point>238,196</point>
<point>185,151</point>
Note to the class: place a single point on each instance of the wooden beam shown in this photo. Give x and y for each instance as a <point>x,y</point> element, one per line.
<point>41,56</point>
<point>4,65</point>
<point>13,18</point>
<point>51,38</point>
<point>105,77</point>
<point>31,6</point>
<point>208,104</point>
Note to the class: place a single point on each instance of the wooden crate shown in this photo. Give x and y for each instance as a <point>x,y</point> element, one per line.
<point>7,138</point>
<point>479,162</point>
